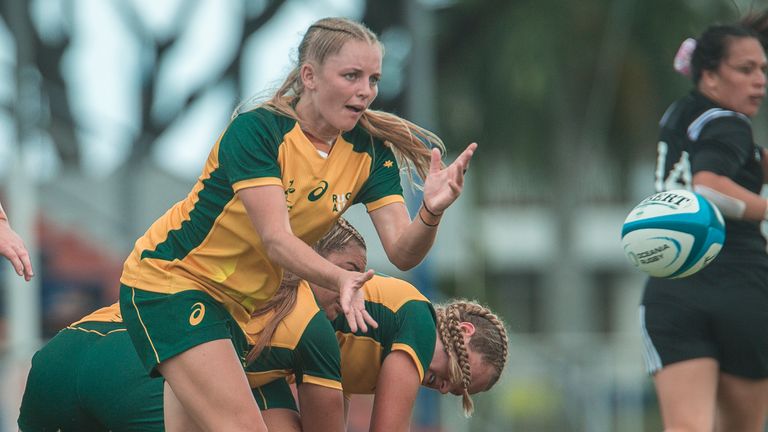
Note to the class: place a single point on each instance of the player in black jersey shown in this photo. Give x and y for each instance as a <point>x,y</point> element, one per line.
<point>706,336</point>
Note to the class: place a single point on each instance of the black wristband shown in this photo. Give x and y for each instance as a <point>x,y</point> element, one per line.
<point>424,203</point>
<point>425,222</point>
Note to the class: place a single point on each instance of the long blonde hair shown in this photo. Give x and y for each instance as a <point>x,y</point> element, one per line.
<point>410,143</point>
<point>490,340</point>
<point>282,303</point>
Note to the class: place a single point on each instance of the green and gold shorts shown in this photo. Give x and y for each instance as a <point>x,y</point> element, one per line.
<point>164,325</point>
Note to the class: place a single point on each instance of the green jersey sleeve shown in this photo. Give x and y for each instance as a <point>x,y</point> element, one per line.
<point>384,179</point>
<point>318,359</point>
<point>249,147</point>
<point>416,333</point>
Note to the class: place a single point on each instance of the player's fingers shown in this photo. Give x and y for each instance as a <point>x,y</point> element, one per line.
<point>16,263</point>
<point>350,315</point>
<point>26,263</point>
<point>362,279</point>
<point>466,156</point>
<point>368,275</point>
<point>457,175</point>
<point>345,302</point>
<point>434,162</point>
<point>369,319</point>
<point>466,168</point>
<point>360,321</point>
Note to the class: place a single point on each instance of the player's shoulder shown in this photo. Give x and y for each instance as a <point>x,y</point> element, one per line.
<point>694,113</point>
<point>718,121</point>
<point>263,118</point>
<point>305,308</point>
<point>392,292</point>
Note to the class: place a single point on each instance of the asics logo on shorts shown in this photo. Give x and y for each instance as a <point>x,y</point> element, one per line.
<point>198,312</point>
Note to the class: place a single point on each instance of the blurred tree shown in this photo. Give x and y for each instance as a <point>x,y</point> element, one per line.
<point>47,49</point>
<point>50,47</point>
<point>588,80</point>
<point>51,41</point>
<point>154,122</point>
<point>518,77</point>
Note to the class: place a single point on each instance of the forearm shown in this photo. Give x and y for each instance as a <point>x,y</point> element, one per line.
<point>416,240</point>
<point>265,206</point>
<point>733,200</point>
<point>396,390</point>
<point>405,241</point>
<point>381,421</point>
<point>295,256</point>
<point>408,241</point>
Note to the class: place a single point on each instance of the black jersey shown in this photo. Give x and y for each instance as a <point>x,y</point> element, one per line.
<point>698,135</point>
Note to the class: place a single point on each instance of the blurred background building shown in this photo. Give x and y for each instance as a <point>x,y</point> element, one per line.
<point>108,109</point>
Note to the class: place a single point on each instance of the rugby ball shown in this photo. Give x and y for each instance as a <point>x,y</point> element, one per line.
<point>673,234</point>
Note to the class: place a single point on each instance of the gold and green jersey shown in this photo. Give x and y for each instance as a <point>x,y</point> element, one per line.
<point>406,322</point>
<point>303,345</point>
<point>207,242</point>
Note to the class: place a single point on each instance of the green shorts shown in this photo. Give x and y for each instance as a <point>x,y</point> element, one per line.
<point>89,378</point>
<point>164,325</point>
<point>276,394</point>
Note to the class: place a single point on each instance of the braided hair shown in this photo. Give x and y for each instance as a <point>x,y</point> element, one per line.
<point>490,340</point>
<point>338,238</point>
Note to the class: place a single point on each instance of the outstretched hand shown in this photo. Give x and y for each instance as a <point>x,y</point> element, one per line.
<point>444,185</point>
<point>352,300</point>
<point>12,247</point>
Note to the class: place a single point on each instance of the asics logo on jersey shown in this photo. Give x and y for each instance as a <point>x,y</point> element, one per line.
<point>318,192</point>
<point>198,312</point>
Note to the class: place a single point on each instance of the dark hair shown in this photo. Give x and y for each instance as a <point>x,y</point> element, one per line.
<point>759,23</point>
<point>712,45</point>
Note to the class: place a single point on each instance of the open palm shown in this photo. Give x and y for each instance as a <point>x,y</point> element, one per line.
<point>443,185</point>
<point>352,300</point>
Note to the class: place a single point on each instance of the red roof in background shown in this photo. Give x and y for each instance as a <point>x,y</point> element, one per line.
<point>71,256</point>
